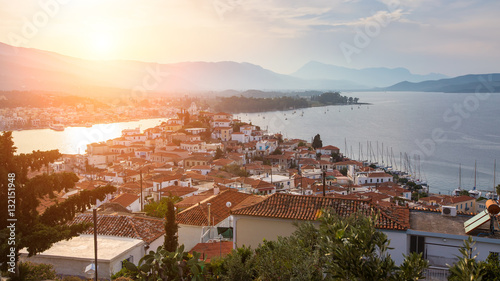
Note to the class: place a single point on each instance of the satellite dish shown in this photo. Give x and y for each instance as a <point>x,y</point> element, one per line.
<point>228,204</point>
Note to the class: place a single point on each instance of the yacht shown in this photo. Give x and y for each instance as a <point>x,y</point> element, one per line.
<point>57,127</point>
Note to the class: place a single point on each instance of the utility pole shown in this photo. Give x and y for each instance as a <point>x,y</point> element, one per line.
<point>324,183</point>
<point>95,241</point>
<point>142,201</point>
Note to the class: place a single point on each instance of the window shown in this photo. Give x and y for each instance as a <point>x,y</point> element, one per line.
<point>129,259</point>
<point>417,244</point>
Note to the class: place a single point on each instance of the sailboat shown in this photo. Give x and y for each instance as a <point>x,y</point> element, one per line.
<point>475,193</point>
<point>457,191</point>
<point>493,195</point>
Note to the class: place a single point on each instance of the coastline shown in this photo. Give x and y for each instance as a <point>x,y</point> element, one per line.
<point>82,125</point>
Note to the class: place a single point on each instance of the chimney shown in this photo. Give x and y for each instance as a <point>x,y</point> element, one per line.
<point>216,190</point>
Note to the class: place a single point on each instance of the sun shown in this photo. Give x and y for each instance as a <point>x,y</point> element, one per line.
<point>101,44</point>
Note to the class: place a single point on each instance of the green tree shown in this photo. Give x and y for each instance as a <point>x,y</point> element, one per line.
<point>343,171</point>
<point>38,231</point>
<point>352,249</point>
<point>170,244</point>
<point>159,209</point>
<point>342,248</point>
<point>413,267</point>
<point>236,170</point>
<point>288,258</point>
<point>317,142</point>
<point>165,265</point>
<point>29,271</point>
<point>491,267</point>
<point>277,151</point>
<point>467,267</point>
<point>218,153</point>
<point>239,265</point>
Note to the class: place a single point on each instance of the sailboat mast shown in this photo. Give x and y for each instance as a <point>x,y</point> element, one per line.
<point>382,154</point>
<point>460,176</point>
<point>359,151</point>
<point>401,161</point>
<point>345,143</point>
<point>494,176</point>
<point>475,173</point>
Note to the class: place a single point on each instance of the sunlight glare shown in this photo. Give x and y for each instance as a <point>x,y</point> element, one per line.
<point>102,44</point>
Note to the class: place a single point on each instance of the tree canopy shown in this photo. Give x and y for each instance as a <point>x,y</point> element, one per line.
<point>317,142</point>
<point>34,230</point>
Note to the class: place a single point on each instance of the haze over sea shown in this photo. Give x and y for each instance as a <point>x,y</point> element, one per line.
<point>445,129</point>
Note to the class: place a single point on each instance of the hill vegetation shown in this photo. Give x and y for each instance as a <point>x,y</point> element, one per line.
<point>239,104</point>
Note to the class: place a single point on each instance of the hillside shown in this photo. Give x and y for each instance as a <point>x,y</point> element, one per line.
<point>462,84</point>
<point>375,77</point>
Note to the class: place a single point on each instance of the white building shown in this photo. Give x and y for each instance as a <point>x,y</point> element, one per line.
<point>372,178</point>
<point>119,237</point>
<point>240,137</point>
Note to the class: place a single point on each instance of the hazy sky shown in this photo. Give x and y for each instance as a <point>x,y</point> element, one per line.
<point>449,37</point>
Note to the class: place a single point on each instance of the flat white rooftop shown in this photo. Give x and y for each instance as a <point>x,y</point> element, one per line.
<point>82,247</point>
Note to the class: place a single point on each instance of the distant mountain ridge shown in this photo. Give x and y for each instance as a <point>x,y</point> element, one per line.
<point>32,69</point>
<point>374,77</point>
<point>470,83</point>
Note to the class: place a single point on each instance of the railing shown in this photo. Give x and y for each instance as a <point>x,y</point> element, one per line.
<point>436,273</point>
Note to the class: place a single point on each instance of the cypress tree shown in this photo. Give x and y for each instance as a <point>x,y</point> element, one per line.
<point>170,244</point>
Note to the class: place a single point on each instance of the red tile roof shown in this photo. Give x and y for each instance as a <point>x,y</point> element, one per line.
<point>125,199</point>
<point>379,175</point>
<point>299,207</point>
<point>198,214</point>
<point>175,190</point>
<point>144,228</point>
<point>330,147</point>
<point>215,249</point>
<point>223,162</point>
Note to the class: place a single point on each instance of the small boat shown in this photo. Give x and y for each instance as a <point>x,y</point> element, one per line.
<point>57,127</point>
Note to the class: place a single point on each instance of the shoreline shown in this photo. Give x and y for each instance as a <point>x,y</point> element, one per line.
<point>312,106</point>
<point>80,125</point>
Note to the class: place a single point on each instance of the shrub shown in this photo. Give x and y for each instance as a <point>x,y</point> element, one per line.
<point>29,271</point>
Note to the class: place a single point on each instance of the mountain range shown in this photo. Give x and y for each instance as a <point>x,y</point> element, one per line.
<point>33,69</point>
<point>470,83</point>
<point>374,77</point>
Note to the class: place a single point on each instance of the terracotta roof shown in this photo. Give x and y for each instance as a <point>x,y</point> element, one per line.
<point>299,207</point>
<point>215,249</point>
<point>458,199</point>
<point>193,200</point>
<point>379,175</point>
<point>176,190</point>
<point>201,167</point>
<point>198,214</point>
<point>144,228</point>
<point>349,162</point>
<point>223,162</point>
<point>330,147</point>
<point>125,199</point>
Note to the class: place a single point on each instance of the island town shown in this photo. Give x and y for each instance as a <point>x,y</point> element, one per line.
<point>235,184</point>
